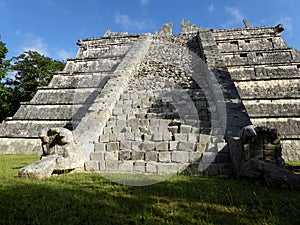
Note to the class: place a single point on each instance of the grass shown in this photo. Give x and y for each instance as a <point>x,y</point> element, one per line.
<point>92,199</point>
<point>293,163</point>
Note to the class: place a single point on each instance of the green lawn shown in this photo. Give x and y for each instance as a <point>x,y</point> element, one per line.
<point>91,199</point>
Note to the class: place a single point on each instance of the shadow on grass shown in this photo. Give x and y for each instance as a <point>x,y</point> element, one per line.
<point>91,199</point>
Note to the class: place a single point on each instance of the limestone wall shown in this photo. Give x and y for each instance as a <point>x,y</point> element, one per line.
<point>68,96</point>
<point>266,73</point>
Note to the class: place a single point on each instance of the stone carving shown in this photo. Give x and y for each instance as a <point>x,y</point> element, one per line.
<point>257,154</point>
<point>60,152</point>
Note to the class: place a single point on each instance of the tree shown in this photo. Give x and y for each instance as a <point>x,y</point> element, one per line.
<point>21,76</point>
<point>5,94</point>
<point>4,64</point>
<point>31,70</point>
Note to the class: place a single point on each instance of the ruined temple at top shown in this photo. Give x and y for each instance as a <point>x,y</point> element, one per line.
<point>165,103</point>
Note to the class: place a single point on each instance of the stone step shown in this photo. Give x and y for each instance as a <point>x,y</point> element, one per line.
<point>248,45</point>
<point>273,108</point>
<point>28,128</point>
<point>269,72</point>
<point>259,58</point>
<point>66,96</point>
<point>289,128</point>
<point>272,89</point>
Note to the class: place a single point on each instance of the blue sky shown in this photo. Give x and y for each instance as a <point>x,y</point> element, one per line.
<point>52,27</point>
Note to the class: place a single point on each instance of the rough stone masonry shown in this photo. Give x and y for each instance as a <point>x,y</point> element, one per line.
<point>166,103</point>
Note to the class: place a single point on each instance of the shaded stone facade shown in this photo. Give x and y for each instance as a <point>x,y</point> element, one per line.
<point>166,103</point>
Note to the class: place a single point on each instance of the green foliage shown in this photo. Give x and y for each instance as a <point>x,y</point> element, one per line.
<point>91,199</point>
<point>5,95</point>
<point>3,63</point>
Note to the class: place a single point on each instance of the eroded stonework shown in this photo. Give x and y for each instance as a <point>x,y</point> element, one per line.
<point>166,103</point>
<point>60,152</point>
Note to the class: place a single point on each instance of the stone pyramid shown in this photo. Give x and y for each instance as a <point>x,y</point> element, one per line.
<point>166,103</point>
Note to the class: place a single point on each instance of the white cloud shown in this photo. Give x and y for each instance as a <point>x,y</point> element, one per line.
<point>211,7</point>
<point>127,23</point>
<point>144,2</point>
<point>36,44</point>
<point>63,54</point>
<point>236,16</point>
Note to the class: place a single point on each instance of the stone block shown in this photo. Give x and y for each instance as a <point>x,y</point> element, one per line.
<point>184,129</point>
<point>151,156</point>
<point>118,129</point>
<point>167,135</point>
<point>167,168</point>
<point>151,167</point>
<point>111,123</point>
<point>112,165</point>
<point>125,155</point>
<point>139,166</point>
<point>112,155</point>
<point>134,124</point>
<point>144,122</point>
<point>154,122</point>
<point>125,145</point>
<point>164,156</point>
<point>107,130</point>
<point>181,156</point>
<point>180,137</point>
<point>162,146</point>
<point>125,166</point>
<point>146,137</point>
<point>148,146</point>
<point>186,146</point>
<point>136,145</point>
<point>173,145</point>
<point>91,166</point>
<point>102,165</point>
<point>195,156</point>
<point>195,130</point>
<point>193,137</point>
<point>158,136</point>
<point>138,155</point>
<point>126,130</point>
<point>129,136</point>
<point>99,146</point>
<point>153,128</point>
<point>104,137</point>
<point>97,156</point>
<point>204,139</point>
<point>112,137</point>
<point>112,146</point>
<point>120,136</point>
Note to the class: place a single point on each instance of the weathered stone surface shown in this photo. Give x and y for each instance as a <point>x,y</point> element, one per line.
<point>59,153</point>
<point>39,169</point>
<point>168,98</point>
<point>258,154</point>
